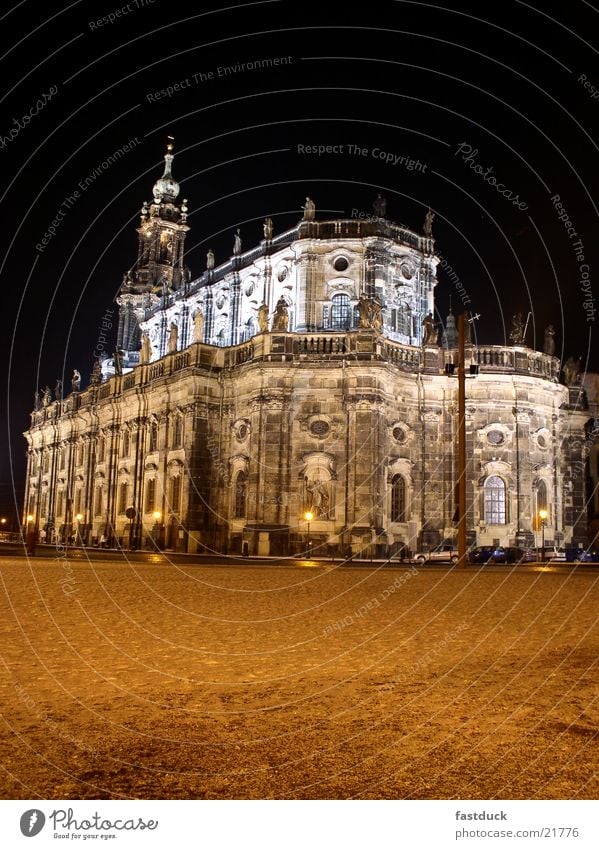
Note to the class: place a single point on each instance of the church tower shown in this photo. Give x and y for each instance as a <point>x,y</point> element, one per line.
<point>159,271</point>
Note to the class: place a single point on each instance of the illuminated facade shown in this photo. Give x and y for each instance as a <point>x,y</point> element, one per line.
<point>301,376</point>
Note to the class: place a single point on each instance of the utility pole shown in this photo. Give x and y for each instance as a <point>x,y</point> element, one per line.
<point>461,441</point>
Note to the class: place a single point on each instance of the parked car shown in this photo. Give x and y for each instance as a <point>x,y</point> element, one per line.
<point>501,554</point>
<point>441,554</point>
<point>582,555</point>
<point>558,555</point>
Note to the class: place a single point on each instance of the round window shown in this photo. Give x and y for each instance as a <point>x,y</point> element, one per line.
<point>495,437</point>
<point>542,441</point>
<point>283,272</point>
<point>341,264</point>
<point>408,269</point>
<point>399,434</point>
<point>319,428</point>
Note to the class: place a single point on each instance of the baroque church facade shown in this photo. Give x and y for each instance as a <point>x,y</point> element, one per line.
<point>298,391</point>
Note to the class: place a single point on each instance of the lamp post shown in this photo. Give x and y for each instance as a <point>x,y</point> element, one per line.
<point>543,518</point>
<point>157,516</point>
<point>30,536</point>
<point>79,518</point>
<point>308,516</point>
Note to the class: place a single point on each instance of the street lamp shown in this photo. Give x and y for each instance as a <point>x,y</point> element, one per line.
<point>308,516</point>
<point>543,518</point>
<point>157,516</point>
<point>79,518</point>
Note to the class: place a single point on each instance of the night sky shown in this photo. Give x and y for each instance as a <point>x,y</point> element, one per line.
<point>409,96</point>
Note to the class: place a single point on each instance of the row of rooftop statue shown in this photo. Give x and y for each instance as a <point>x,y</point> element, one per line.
<point>369,316</point>
<point>380,211</point>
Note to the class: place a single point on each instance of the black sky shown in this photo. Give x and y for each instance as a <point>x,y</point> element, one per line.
<point>410,79</point>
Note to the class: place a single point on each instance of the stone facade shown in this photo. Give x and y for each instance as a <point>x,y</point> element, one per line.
<point>304,385</point>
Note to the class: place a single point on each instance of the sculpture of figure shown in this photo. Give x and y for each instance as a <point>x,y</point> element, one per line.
<point>428,223</point>
<point>237,243</point>
<point>281,317</point>
<point>58,390</point>
<point>268,228</point>
<point>198,326</point>
<point>364,311</point>
<point>318,497</point>
<point>146,349</point>
<point>46,396</point>
<point>37,400</point>
<point>380,206</point>
<point>517,331</point>
<point>467,328</point>
<point>430,330</point>
<point>76,380</point>
<point>376,314</point>
<point>96,373</point>
<point>309,210</point>
<point>572,371</point>
<point>549,347</point>
<point>118,362</point>
<point>173,338</point>
<point>210,259</point>
<point>263,318</point>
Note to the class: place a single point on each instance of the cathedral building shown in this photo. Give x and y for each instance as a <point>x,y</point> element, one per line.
<point>297,395</point>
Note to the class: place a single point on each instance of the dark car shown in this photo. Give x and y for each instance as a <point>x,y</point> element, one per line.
<point>500,554</point>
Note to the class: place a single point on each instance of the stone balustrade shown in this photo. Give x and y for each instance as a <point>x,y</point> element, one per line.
<point>285,347</point>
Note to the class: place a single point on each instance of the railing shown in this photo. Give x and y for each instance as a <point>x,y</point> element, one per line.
<point>360,344</point>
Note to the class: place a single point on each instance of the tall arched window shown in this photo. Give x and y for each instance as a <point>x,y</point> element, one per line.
<point>398,499</point>
<point>540,504</point>
<point>175,493</point>
<point>495,501</point>
<point>177,431</point>
<point>123,492</point>
<point>150,495</point>
<point>241,485</point>
<point>340,312</point>
<point>154,436</point>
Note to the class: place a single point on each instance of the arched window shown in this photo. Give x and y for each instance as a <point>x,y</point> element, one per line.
<point>150,495</point>
<point>175,493</point>
<point>98,501</point>
<point>495,501</point>
<point>398,499</point>
<point>239,507</point>
<point>177,431</point>
<point>154,436</point>
<point>125,444</point>
<point>540,504</point>
<point>340,312</point>
<point>123,487</point>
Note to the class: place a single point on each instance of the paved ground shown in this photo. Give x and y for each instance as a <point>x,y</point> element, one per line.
<point>307,681</point>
